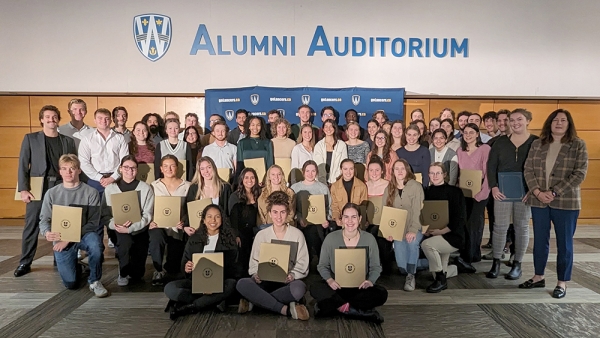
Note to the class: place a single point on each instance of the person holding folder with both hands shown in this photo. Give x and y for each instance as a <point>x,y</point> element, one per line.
<point>508,155</point>
<point>358,303</point>
<point>213,235</point>
<point>131,238</point>
<point>278,297</point>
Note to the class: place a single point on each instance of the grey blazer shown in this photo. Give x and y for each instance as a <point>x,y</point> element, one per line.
<point>32,160</point>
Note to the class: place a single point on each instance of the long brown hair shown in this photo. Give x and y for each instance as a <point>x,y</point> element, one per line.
<point>386,148</point>
<point>393,185</point>
<point>570,134</point>
<point>133,146</point>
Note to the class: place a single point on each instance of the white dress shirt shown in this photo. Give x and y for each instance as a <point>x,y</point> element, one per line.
<point>300,155</point>
<point>76,134</point>
<point>224,156</point>
<point>99,156</point>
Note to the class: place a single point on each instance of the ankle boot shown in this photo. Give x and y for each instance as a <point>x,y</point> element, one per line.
<point>515,272</point>
<point>495,270</point>
<point>439,284</point>
<point>184,310</point>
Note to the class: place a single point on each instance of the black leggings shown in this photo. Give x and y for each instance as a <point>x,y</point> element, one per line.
<point>328,300</point>
<point>132,251</point>
<point>475,223</point>
<point>158,241</point>
<point>181,292</point>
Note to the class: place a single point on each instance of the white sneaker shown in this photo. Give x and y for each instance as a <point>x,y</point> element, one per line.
<point>98,289</point>
<point>157,278</point>
<point>409,285</point>
<point>122,281</point>
<point>110,244</point>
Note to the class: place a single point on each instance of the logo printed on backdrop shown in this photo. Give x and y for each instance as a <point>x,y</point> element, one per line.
<point>282,112</point>
<point>305,99</point>
<point>152,34</point>
<point>229,114</point>
<point>356,100</point>
<point>254,98</point>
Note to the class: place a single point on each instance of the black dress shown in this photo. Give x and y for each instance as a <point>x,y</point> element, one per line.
<point>243,221</point>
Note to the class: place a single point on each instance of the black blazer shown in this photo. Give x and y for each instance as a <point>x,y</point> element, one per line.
<point>32,159</point>
<point>232,269</point>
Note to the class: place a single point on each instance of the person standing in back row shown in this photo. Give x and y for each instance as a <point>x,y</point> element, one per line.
<point>76,128</point>
<point>40,152</point>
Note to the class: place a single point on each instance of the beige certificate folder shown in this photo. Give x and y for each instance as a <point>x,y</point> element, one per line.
<point>470,182</point>
<point>145,172</point>
<point>435,214</point>
<point>350,267</point>
<point>207,276</point>
<point>315,211</point>
<point>67,222</point>
<point>126,207</point>
<point>374,208</point>
<point>286,166</point>
<point>224,173</point>
<point>36,186</point>
<point>258,164</point>
<point>167,211</point>
<point>419,177</point>
<point>181,169</point>
<point>195,209</point>
<point>273,262</point>
<point>393,223</point>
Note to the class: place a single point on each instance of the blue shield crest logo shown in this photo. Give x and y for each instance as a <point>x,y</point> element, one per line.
<point>254,98</point>
<point>152,34</point>
<point>355,99</point>
<point>282,112</point>
<point>229,114</point>
<point>305,99</point>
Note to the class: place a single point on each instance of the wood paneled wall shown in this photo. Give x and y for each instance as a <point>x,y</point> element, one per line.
<point>19,115</point>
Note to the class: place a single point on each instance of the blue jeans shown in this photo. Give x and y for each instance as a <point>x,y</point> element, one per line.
<point>565,222</point>
<point>66,260</point>
<point>407,254</point>
<point>100,231</point>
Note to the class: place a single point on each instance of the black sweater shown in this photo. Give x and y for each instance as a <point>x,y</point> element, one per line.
<point>505,157</point>
<point>457,211</point>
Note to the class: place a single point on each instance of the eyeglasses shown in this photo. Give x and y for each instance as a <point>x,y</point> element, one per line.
<point>126,168</point>
<point>328,115</point>
<point>435,174</point>
<point>380,138</point>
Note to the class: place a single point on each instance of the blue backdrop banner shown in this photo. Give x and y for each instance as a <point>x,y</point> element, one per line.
<point>259,100</point>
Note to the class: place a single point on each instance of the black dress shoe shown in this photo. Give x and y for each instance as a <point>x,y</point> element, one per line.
<point>183,311</point>
<point>494,270</point>
<point>367,315</point>
<point>530,284</point>
<point>439,285</point>
<point>170,305</point>
<point>464,267</point>
<point>515,271</point>
<point>559,292</point>
<point>487,246</point>
<point>22,269</point>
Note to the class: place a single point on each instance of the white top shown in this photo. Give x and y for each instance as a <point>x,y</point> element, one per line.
<point>99,156</point>
<point>439,155</point>
<point>76,134</point>
<point>340,153</point>
<point>224,157</point>
<point>485,137</point>
<point>300,155</point>
<point>211,244</point>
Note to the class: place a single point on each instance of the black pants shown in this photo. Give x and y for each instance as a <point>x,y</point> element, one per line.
<point>132,252</point>
<point>315,235</point>
<point>158,241</point>
<point>329,300</point>
<point>181,292</point>
<point>475,223</point>
<point>247,238</point>
<point>491,217</point>
<point>386,249</point>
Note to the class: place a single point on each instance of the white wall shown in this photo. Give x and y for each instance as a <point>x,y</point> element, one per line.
<point>516,48</point>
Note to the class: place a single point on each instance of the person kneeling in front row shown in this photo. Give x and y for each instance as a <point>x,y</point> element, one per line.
<point>358,302</point>
<point>212,236</point>
<point>275,296</point>
<point>74,193</point>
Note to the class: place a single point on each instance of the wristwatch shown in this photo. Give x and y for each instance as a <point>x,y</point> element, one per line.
<point>554,194</point>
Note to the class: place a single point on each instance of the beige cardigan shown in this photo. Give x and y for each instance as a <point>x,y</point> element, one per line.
<point>300,269</point>
<point>411,201</point>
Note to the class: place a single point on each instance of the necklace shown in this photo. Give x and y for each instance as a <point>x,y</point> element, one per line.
<point>350,238</point>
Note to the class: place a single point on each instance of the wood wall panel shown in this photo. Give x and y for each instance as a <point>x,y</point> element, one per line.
<point>14,111</point>
<point>137,107</point>
<point>458,105</point>
<point>592,143</point>
<point>62,103</point>
<point>539,108</point>
<point>412,104</point>
<point>184,105</point>
<point>590,199</point>
<point>9,208</point>
<point>9,167</point>
<point>11,139</point>
<point>592,179</point>
<point>586,114</point>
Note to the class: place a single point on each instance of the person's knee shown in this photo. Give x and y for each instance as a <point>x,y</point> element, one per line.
<point>243,284</point>
<point>171,290</point>
<point>297,289</point>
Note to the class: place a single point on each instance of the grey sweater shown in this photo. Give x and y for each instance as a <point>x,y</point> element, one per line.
<point>316,188</point>
<point>335,240</point>
<point>82,196</point>
<point>145,199</point>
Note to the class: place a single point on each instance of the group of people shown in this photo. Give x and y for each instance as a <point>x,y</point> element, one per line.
<point>404,164</point>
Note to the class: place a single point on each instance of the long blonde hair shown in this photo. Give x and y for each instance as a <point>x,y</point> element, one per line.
<point>393,185</point>
<point>268,189</point>
<point>199,180</point>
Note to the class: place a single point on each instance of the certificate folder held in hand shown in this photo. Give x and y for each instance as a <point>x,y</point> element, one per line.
<point>273,262</point>
<point>470,182</point>
<point>435,214</point>
<point>145,172</point>
<point>393,223</point>
<point>258,164</point>
<point>350,267</point>
<point>195,209</point>
<point>36,188</point>
<point>315,210</point>
<point>374,209</point>
<point>126,207</point>
<point>207,276</point>
<point>67,222</point>
<point>511,186</point>
<point>167,211</point>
